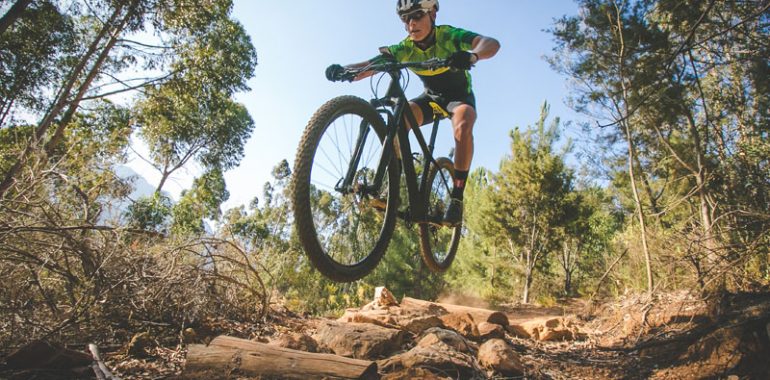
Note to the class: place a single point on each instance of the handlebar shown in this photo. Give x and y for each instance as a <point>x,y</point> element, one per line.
<point>431,64</point>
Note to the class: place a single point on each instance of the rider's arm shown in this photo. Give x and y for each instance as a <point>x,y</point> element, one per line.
<point>384,56</point>
<point>484,47</point>
<point>365,74</point>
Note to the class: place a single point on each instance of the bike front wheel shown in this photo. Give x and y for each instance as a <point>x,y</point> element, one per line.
<point>438,243</point>
<point>345,230</point>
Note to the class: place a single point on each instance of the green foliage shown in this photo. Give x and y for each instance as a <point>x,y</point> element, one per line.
<point>11,143</point>
<point>515,218</point>
<point>151,213</point>
<point>201,202</point>
<point>32,51</point>
<point>686,88</point>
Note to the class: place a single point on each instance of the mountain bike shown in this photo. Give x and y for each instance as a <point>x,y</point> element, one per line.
<point>347,175</point>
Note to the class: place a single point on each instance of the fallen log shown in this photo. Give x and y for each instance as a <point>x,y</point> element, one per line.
<point>239,356</point>
<point>479,315</point>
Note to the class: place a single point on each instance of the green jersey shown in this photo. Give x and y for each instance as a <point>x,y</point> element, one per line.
<point>445,81</point>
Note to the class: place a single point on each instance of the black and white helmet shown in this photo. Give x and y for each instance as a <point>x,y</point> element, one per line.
<point>409,6</point>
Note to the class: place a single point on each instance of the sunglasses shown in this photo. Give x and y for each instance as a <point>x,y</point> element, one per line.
<point>416,16</point>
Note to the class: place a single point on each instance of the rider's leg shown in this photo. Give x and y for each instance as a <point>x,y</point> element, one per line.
<point>463,119</point>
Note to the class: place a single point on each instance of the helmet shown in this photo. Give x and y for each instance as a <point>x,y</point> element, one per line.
<point>408,6</point>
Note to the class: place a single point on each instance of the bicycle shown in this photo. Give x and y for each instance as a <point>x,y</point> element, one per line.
<point>346,200</point>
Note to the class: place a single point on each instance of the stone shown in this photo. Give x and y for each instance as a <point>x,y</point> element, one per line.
<point>518,331</point>
<point>137,347</point>
<point>359,340</point>
<point>463,323</point>
<point>189,336</point>
<point>497,355</point>
<point>489,331</point>
<point>439,357</point>
<point>551,329</point>
<point>382,318</point>
<point>416,323</point>
<point>414,374</point>
<point>41,354</point>
<point>450,338</point>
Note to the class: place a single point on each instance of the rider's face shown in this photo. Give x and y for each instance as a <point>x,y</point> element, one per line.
<point>419,25</point>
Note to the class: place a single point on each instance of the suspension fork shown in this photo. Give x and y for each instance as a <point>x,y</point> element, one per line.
<point>345,185</point>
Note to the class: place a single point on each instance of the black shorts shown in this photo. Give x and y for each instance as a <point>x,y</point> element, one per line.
<point>436,107</point>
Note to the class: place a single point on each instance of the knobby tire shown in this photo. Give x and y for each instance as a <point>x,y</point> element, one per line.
<point>320,247</point>
<point>438,244</point>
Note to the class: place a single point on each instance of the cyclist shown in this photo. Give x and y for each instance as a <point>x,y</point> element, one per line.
<point>448,91</point>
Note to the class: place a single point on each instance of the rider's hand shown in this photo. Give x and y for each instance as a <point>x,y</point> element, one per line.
<point>461,60</point>
<point>335,73</point>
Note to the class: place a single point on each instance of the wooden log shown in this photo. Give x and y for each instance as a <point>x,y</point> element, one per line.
<point>232,355</point>
<point>479,315</point>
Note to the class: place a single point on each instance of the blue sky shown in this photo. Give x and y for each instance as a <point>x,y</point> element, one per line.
<point>297,40</point>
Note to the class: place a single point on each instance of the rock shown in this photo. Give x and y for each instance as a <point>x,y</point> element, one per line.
<point>489,331</point>
<point>44,355</point>
<point>497,355</point>
<point>450,338</point>
<point>137,347</point>
<point>518,331</point>
<point>416,323</point>
<point>382,318</point>
<point>189,336</point>
<point>479,315</point>
<point>383,297</point>
<point>359,340</point>
<point>414,374</point>
<point>462,323</point>
<point>439,357</point>
<point>553,335</point>
<point>551,329</point>
<point>296,341</point>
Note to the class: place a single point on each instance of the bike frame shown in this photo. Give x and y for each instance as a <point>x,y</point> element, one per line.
<point>396,106</point>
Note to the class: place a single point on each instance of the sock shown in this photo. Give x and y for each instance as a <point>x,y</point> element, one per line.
<point>459,184</point>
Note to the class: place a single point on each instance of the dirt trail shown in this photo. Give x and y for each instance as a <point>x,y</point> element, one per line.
<point>674,336</point>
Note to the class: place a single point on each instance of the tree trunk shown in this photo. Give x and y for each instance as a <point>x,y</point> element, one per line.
<point>226,355</point>
<point>479,315</point>
<point>639,209</point>
<point>527,284</point>
<point>624,124</point>
<point>61,101</point>
<point>14,13</point>
<point>568,283</point>
<point>75,103</point>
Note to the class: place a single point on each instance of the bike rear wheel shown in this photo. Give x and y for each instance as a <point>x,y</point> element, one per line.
<point>344,232</point>
<point>438,243</point>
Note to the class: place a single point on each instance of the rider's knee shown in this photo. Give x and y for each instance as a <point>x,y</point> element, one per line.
<point>463,121</point>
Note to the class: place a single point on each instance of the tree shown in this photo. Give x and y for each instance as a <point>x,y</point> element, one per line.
<point>14,13</point>
<point>526,206</point>
<point>588,235</point>
<point>91,68</point>
<point>192,116</point>
<point>201,202</point>
<point>681,85</point>
<point>481,268</point>
<point>74,86</point>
